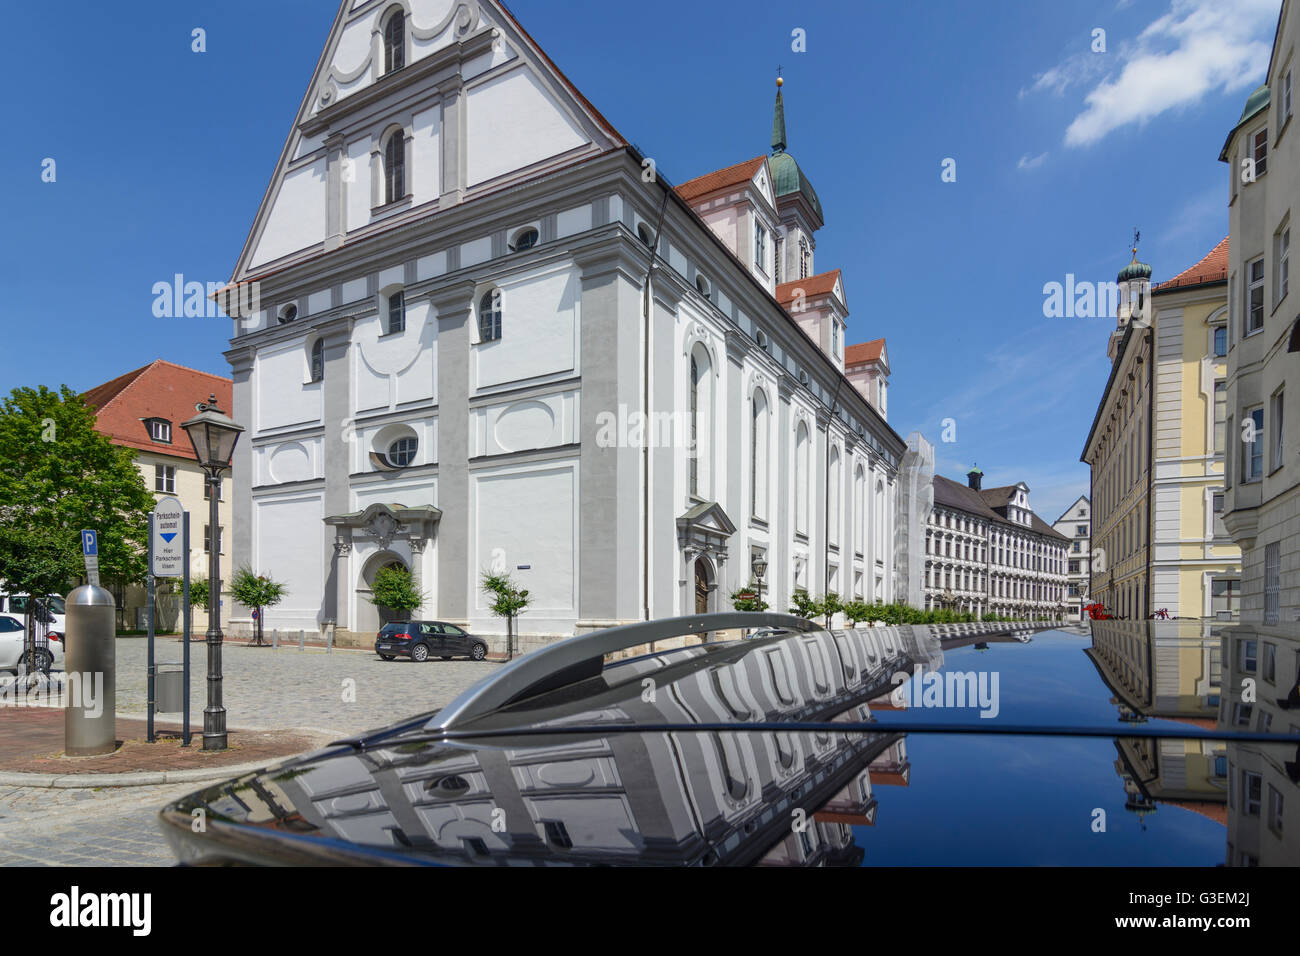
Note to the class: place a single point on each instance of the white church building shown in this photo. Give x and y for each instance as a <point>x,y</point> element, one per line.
<point>491,335</point>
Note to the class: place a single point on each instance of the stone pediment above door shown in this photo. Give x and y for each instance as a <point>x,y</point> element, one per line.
<point>385,523</point>
<point>705,527</point>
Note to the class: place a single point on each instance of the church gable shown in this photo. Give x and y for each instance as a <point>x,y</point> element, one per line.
<point>416,104</point>
<point>763,182</point>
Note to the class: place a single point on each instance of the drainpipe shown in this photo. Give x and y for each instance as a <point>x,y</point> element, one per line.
<point>826,521</point>
<point>1151,453</point>
<point>647,315</point>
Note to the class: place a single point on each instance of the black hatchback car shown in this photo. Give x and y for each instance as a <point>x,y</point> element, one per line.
<point>420,640</point>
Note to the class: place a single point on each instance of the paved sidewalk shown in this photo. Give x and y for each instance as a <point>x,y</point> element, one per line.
<point>31,742</point>
<point>340,693</point>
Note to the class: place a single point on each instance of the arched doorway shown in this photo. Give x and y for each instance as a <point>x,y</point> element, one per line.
<point>703,585</point>
<point>369,616</point>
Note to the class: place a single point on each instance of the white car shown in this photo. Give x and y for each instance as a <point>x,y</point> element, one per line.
<point>17,605</point>
<point>13,631</point>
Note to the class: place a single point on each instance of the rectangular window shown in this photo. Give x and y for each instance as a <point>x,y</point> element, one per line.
<point>164,479</point>
<point>1247,655</point>
<point>1281,265</point>
<point>1220,530</point>
<point>1274,810</point>
<point>1259,145</point>
<point>1252,458</point>
<point>1074,567</point>
<point>1220,414</point>
<point>1254,305</point>
<point>207,491</point>
<point>1275,431</point>
<point>207,537</point>
<point>1251,791</point>
<point>397,312</point>
<point>1225,596</point>
<point>1272,582</point>
<point>1270,663</point>
<point>760,247</point>
<point>1220,341</point>
<point>1287,102</point>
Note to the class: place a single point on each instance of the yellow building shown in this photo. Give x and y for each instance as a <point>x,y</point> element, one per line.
<point>1156,449</point>
<point>143,410</point>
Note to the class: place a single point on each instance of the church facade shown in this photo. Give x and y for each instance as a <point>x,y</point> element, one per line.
<point>493,337</point>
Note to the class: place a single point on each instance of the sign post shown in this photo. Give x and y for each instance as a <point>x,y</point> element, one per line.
<point>90,552</point>
<point>168,558</point>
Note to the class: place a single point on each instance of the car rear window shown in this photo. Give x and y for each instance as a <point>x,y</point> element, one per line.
<point>391,630</point>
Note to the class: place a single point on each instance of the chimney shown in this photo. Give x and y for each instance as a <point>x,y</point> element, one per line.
<point>974,477</point>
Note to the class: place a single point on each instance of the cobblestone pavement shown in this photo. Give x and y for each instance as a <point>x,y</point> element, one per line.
<point>342,692</point>
<point>114,826</point>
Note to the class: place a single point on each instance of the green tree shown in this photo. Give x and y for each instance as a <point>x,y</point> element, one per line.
<point>747,599</point>
<point>258,592</point>
<point>60,476</point>
<point>855,611</point>
<point>199,593</point>
<point>395,588</point>
<point>804,606</point>
<point>829,605</point>
<point>509,601</point>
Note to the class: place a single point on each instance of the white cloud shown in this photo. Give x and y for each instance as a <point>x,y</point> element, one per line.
<point>1031,162</point>
<point>1197,47</point>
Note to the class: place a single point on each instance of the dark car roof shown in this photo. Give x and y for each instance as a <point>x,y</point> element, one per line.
<point>710,753</point>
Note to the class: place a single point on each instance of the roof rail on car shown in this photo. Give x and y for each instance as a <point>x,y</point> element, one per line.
<point>578,658</point>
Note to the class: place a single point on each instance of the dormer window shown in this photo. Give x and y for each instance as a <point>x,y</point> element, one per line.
<point>395,41</point>
<point>159,429</point>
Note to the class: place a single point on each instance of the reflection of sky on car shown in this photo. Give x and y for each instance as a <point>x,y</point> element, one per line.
<point>1017,801</point>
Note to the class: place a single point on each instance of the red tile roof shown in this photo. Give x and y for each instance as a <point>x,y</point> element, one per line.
<point>1213,268</point>
<point>821,284</point>
<point>720,179</point>
<point>158,390</point>
<point>863,352</point>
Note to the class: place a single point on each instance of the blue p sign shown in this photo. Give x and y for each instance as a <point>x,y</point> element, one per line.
<point>89,544</point>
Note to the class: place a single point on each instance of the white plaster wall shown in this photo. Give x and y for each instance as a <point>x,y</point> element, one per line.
<point>512,122</point>
<point>531,515</point>
<point>282,462</point>
<point>289,536</point>
<point>539,330</point>
<point>389,370</point>
<point>541,422</point>
<point>573,221</point>
<point>425,155</point>
<point>282,396</point>
<point>297,217</point>
<point>357,186</point>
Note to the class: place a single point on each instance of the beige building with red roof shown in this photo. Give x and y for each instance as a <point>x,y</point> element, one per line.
<point>1156,450</point>
<point>143,410</point>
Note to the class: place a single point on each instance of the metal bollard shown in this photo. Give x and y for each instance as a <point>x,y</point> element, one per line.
<point>275,639</point>
<point>302,637</point>
<point>329,640</point>
<point>90,717</point>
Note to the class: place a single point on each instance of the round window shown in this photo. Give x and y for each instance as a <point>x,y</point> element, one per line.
<point>402,452</point>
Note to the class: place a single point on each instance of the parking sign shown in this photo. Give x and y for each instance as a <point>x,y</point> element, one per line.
<point>168,542</point>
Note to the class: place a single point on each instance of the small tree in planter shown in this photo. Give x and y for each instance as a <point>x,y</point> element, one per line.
<point>508,601</point>
<point>828,606</point>
<point>258,592</point>
<point>747,599</point>
<point>804,606</point>
<point>394,588</point>
<point>855,611</point>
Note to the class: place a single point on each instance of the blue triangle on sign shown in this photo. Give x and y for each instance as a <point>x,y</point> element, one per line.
<point>167,537</point>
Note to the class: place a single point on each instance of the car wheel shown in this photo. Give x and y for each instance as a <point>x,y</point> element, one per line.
<point>419,653</point>
<point>388,657</point>
<point>478,652</point>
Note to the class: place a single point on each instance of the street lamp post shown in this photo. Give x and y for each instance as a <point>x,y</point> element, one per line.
<point>760,568</point>
<point>213,435</point>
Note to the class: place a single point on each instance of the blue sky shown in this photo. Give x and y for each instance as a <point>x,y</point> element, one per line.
<point>163,155</point>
